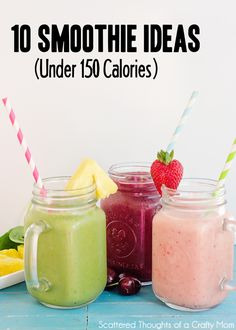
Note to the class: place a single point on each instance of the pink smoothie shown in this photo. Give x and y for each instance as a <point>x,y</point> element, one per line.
<point>191,256</point>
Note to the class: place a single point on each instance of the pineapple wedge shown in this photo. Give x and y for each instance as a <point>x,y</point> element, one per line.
<point>10,264</point>
<point>90,172</point>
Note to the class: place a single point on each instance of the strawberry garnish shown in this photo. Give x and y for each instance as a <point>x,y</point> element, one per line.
<point>166,171</point>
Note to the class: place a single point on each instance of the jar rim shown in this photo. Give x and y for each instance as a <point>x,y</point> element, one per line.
<point>199,192</point>
<point>122,171</point>
<point>201,182</point>
<point>53,189</point>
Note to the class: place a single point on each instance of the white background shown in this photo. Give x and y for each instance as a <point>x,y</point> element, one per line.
<point>121,119</point>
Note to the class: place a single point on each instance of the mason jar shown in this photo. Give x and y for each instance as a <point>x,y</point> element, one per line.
<point>193,246</point>
<point>65,245</point>
<point>129,213</point>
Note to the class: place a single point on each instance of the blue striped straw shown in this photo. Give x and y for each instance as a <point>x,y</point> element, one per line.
<point>182,122</point>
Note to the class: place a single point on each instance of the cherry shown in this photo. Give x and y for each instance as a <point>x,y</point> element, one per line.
<point>120,276</point>
<point>112,276</point>
<point>112,279</point>
<point>126,283</point>
<point>129,285</point>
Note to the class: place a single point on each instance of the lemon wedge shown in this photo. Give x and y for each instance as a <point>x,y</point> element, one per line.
<point>20,249</point>
<point>11,260</point>
<point>90,172</point>
<point>10,253</point>
<point>10,264</point>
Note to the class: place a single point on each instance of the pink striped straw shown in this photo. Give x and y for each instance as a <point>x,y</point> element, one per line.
<point>23,144</point>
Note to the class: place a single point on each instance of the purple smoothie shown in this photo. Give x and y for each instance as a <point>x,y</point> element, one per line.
<point>129,214</point>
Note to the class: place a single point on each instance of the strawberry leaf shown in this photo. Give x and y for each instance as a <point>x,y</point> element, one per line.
<point>165,157</point>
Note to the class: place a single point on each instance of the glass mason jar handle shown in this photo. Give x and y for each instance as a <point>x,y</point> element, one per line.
<point>31,255</point>
<point>229,224</point>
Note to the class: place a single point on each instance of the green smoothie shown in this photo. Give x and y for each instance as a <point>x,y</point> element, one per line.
<point>71,255</point>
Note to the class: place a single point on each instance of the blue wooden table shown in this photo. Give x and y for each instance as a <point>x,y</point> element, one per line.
<point>19,311</point>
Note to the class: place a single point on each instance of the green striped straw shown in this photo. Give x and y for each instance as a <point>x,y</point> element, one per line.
<point>228,164</point>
